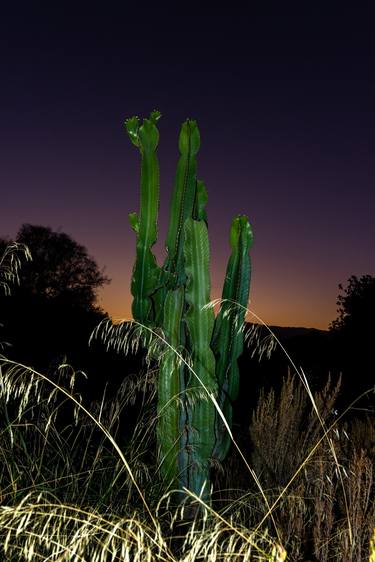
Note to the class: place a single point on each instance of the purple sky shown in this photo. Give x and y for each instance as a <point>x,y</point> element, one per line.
<point>285,108</point>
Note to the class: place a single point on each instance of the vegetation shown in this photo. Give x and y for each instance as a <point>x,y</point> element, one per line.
<point>60,269</point>
<point>356,305</point>
<point>198,372</point>
<point>176,299</point>
<point>48,315</point>
<point>75,487</point>
<point>352,334</point>
<point>74,494</point>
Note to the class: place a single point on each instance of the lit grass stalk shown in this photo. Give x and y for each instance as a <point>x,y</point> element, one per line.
<point>325,436</point>
<point>372,547</point>
<point>10,265</point>
<point>91,530</point>
<point>110,336</point>
<point>69,533</point>
<point>36,527</point>
<point>64,533</point>
<point>18,367</point>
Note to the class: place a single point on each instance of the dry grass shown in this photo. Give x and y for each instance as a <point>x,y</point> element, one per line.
<point>372,547</point>
<point>285,428</point>
<point>68,492</point>
<point>72,490</point>
<point>10,264</point>
<point>328,511</point>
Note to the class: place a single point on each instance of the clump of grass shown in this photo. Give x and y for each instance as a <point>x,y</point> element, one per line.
<point>324,495</point>
<point>10,265</point>
<point>43,528</point>
<point>67,493</point>
<point>284,428</point>
<point>372,547</point>
<point>73,489</point>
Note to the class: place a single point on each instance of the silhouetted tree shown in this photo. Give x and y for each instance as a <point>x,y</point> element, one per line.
<point>353,332</point>
<point>356,307</point>
<point>50,314</point>
<point>60,270</point>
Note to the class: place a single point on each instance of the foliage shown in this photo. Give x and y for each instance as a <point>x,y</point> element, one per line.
<point>356,306</point>
<point>352,336</point>
<point>277,424</point>
<point>60,268</point>
<point>70,491</point>
<point>70,494</point>
<point>175,299</point>
<point>323,490</point>
<point>51,311</point>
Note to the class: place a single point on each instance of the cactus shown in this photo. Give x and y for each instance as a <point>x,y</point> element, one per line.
<point>175,298</point>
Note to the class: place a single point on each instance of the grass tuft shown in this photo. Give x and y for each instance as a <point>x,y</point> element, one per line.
<point>72,488</point>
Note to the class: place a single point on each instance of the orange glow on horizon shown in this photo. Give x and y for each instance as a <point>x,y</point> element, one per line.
<point>266,310</point>
<point>278,295</point>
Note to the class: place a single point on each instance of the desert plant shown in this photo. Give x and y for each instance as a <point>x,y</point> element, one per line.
<point>199,363</point>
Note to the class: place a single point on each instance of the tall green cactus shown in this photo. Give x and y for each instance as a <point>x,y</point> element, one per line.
<point>175,298</point>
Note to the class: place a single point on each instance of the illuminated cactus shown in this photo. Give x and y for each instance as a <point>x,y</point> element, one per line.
<point>227,341</point>
<point>175,299</point>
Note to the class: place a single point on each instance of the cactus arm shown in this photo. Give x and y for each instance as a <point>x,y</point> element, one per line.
<point>169,390</point>
<point>183,197</point>
<point>146,273</point>
<point>227,338</point>
<point>227,341</point>
<point>200,321</point>
<point>201,199</point>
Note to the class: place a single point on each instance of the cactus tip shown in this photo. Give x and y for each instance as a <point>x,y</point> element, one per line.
<point>155,116</point>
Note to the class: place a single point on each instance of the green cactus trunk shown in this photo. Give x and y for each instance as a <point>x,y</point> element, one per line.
<point>175,299</point>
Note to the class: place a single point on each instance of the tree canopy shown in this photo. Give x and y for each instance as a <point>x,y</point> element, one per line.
<point>51,310</point>
<point>60,268</point>
<point>356,306</point>
<point>353,337</point>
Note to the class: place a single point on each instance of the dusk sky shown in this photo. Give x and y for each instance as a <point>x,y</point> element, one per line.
<point>285,104</point>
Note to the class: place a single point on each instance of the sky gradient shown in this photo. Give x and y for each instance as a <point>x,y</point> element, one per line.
<point>285,107</point>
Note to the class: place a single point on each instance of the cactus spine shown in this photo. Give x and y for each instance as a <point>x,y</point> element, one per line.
<point>175,298</point>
